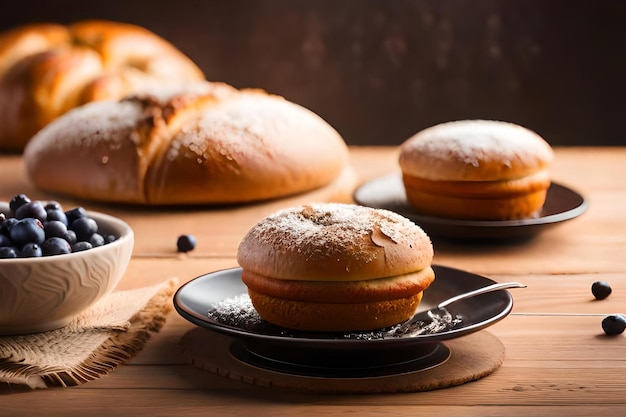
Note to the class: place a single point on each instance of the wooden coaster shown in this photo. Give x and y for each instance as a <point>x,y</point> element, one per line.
<point>471,357</point>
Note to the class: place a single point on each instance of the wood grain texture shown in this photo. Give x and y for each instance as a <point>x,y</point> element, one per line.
<point>557,359</point>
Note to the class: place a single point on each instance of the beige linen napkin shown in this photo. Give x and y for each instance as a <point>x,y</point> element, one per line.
<point>93,344</point>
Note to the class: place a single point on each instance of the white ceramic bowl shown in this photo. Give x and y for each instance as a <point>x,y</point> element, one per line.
<point>45,293</point>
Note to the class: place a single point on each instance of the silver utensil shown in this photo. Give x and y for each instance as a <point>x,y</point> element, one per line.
<point>439,318</point>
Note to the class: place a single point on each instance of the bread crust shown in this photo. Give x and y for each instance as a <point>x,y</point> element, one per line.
<point>48,69</point>
<point>476,170</point>
<point>334,317</point>
<point>474,150</point>
<point>204,143</point>
<point>341,292</point>
<point>334,242</point>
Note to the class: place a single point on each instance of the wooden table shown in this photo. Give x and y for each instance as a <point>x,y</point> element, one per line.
<point>557,360</point>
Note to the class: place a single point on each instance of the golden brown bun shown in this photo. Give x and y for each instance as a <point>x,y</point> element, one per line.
<point>204,143</point>
<point>476,169</point>
<point>48,69</point>
<point>335,267</point>
<point>341,292</point>
<point>334,317</point>
<point>334,242</point>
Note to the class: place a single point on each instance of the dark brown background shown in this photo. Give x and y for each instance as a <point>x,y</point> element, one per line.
<point>381,70</point>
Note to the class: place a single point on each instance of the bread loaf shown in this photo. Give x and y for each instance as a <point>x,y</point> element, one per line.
<point>335,267</point>
<point>476,170</point>
<point>204,143</point>
<point>48,69</point>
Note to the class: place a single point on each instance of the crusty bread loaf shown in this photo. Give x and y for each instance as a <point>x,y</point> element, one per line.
<point>47,69</point>
<point>335,267</point>
<point>476,169</point>
<point>204,143</point>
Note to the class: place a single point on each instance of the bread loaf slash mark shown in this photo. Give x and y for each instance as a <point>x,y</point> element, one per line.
<point>160,120</point>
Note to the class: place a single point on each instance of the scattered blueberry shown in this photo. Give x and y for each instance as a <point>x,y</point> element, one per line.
<point>614,324</point>
<point>186,243</point>
<point>601,289</point>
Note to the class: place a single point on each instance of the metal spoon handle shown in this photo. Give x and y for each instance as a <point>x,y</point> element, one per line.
<point>488,288</point>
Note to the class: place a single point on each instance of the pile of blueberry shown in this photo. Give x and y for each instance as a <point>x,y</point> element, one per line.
<point>34,228</point>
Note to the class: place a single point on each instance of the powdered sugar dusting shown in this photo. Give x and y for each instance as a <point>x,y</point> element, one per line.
<point>239,312</point>
<point>473,138</point>
<point>246,122</point>
<point>329,227</point>
<point>473,142</point>
<point>95,122</point>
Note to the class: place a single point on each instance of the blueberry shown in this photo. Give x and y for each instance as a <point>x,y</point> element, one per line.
<point>80,246</point>
<point>109,239</point>
<point>5,227</point>
<point>614,324</point>
<point>7,252</point>
<point>32,209</point>
<point>53,205</point>
<point>27,230</point>
<point>30,250</point>
<point>186,243</point>
<point>17,201</point>
<point>70,236</point>
<point>55,246</point>
<point>96,240</point>
<point>5,240</point>
<point>55,228</point>
<point>84,227</point>
<point>56,214</point>
<point>601,289</point>
<point>74,214</point>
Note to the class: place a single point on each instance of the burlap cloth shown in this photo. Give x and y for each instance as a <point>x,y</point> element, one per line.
<point>93,344</point>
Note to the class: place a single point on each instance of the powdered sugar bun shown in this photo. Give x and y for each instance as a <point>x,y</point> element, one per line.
<point>474,150</point>
<point>334,242</point>
<point>335,267</point>
<point>341,292</point>
<point>476,169</point>
<point>334,317</point>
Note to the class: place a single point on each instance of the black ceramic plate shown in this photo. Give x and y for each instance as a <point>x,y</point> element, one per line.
<point>262,341</point>
<point>387,192</point>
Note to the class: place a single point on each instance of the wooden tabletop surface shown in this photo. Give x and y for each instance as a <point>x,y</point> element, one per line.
<point>557,359</point>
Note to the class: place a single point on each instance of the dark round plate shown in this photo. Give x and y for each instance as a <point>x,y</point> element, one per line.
<point>330,354</point>
<point>387,192</point>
